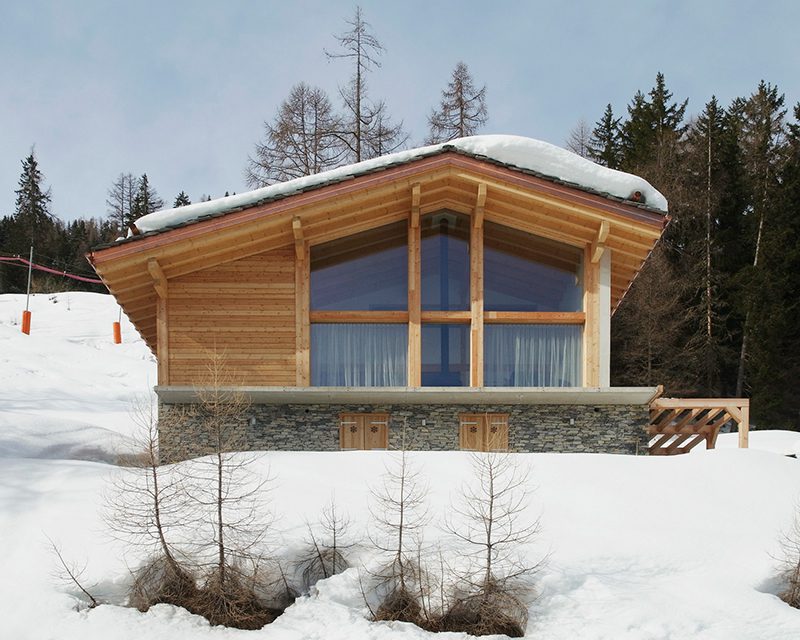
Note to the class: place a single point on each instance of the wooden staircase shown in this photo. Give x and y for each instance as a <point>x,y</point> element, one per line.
<point>678,425</point>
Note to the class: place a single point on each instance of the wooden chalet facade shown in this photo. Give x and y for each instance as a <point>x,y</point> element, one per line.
<point>460,297</point>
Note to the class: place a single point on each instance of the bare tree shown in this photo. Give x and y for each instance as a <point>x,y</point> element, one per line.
<point>494,525</point>
<point>73,575</point>
<point>399,513</point>
<point>302,140</point>
<point>326,546</point>
<point>366,128</point>
<point>120,201</point>
<point>579,139</point>
<point>229,498</point>
<point>147,508</point>
<point>462,110</point>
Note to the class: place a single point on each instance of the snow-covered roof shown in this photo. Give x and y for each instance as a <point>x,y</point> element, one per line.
<point>526,154</point>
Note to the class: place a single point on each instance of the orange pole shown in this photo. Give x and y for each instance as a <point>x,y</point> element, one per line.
<point>117,334</point>
<point>26,322</point>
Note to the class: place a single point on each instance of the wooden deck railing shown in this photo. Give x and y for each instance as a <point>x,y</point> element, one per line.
<point>677,425</point>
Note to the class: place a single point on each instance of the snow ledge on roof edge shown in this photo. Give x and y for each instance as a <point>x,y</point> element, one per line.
<point>527,154</point>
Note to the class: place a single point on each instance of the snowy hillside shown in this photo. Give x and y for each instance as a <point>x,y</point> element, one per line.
<point>639,548</point>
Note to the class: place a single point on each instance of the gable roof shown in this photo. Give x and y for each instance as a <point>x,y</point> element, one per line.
<point>526,155</point>
<point>379,191</point>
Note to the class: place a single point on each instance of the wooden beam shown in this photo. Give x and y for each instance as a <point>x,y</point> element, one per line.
<point>297,231</point>
<point>372,317</point>
<point>591,328</point>
<point>744,427</point>
<point>446,317</point>
<point>415,197</point>
<point>480,205</point>
<point>702,403</point>
<point>414,376</point>
<point>599,243</point>
<point>534,317</point>
<point>162,340</point>
<point>302,283</point>
<point>476,291</point>
<point>159,279</point>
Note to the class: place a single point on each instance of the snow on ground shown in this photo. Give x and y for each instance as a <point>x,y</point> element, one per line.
<point>66,390</point>
<point>639,548</point>
<point>525,153</point>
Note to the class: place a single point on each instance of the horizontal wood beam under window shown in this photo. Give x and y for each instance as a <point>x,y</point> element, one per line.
<point>373,317</point>
<point>534,317</point>
<point>446,316</point>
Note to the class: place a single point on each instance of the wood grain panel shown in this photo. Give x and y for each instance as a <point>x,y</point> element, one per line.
<point>243,310</point>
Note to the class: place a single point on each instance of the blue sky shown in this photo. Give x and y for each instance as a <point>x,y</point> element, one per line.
<point>180,89</point>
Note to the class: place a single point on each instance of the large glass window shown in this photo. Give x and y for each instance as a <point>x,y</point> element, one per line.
<point>517,355</point>
<point>359,355</point>
<point>445,262</point>
<point>364,272</point>
<point>445,355</point>
<point>523,272</point>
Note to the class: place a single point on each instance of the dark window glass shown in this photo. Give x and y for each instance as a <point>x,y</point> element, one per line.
<point>532,355</point>
<point>445,262</point>
<point>359,355</point>
<point>445,355</point>
<point>363,272</point>
<point>523,272</point>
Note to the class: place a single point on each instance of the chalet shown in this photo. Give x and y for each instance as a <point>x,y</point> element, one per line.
<point>463,291</point>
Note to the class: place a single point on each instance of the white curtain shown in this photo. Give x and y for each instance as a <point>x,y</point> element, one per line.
<point>530,355</point>
<point>359,355</point>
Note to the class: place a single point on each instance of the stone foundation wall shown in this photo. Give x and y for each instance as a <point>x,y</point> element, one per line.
<point>532,428</point>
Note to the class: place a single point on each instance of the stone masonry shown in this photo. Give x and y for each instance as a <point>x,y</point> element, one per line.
<point>315,427</point>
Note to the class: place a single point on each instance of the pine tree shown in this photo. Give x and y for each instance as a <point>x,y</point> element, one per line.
<point>32,209</point>
<point>462,109</point>
<point>761,142</point>
<point>303,139</point>
<point>181,200</point>
<point>366,129</point>
<point>605,145</point>
<point>146,200</point>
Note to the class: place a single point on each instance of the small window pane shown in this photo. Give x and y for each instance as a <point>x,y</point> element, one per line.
<point>445,262</point>
<point>364,272</point>
<point>519,355</point>
<point>359,355</point>
<point>445,355</point>
<point>523,272</point>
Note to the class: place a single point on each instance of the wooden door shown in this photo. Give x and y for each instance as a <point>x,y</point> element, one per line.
<point>376,431</point>
<point>496,432</point>
<point>483,431</point>
<point>351,431</point>
<point>471,431</point>
<point>364,431</point>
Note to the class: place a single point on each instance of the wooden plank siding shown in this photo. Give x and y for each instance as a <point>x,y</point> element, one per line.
<point>243,310</point>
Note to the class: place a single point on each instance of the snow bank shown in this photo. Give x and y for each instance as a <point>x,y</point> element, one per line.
<point>785,443</point>
<point>524,153</point>
<point>66,390</point>
<point>667,548</point>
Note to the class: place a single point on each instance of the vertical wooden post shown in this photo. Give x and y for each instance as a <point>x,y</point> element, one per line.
<point>162,339</point>
<point>161,287</point>
<point>591,328</point>
<point>302,284</point>
<point>414,294</point>
<point>476,290</point>
<point>744,427</point>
